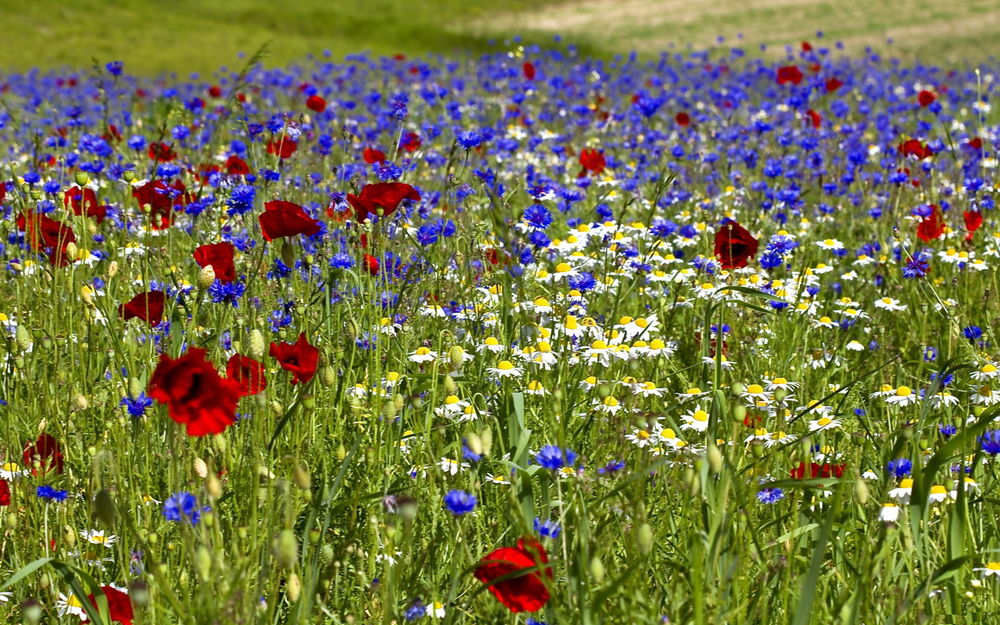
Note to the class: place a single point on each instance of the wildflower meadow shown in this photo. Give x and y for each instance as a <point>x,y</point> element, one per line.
<point>523,337</point>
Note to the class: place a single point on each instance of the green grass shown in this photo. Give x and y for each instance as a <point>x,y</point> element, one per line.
<point>187,36</point>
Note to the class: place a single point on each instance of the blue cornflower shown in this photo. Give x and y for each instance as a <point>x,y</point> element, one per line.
<point>538,216</point>
<point>47,492</point>
<point>416,611</point>
<point>948,430</point>
<point>547,528</point>
<point>770,495</point>
<point>900,467</point>
<point>227,292</point>
<point>554,458</point>
<point>137,407</point>
<point>241,199</point>
<point>341,260</point>
<point>427,234</point>
<point>533,621</point>
<point>972,332</point>
<point>469,139</point>
<point>459,502</point>
<point>115,68</point>
<point>770,260</point>
<point>916,267</point>
<point>470,455</point>
<point>183,506</point>
<point>612,467</point>
<point>990,442</point>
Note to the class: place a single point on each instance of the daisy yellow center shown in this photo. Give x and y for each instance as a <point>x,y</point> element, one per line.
<point>906,483</point>
<point>989,368</point>
<point>700,415</point>
<point>903,391</point>
<point>611,402</point>
<point>571,324</point>
<point>824,421</point>
<point>625,321</point>
<point>11,467</point>
<point>938,489</point>
<point>993,566</point>
<point>505,365</point>
<point>591,380</point>
<point>562,268</point>
<point>541,301</point>
<point>641,344</point>
<point>73,602</point>
<point>693,391</point>
<point>642,435</point>
<point>642,322</point>
<point>598,345</point>
<point>755,389</point>
<point>668,434</point>
<point>491,341</point>
<point>451,400</point>
<point>825,319</point>
<point>423,351</point>
<point>543,346</point>
<point>534,385</point>
<point>779,381</point>
<point>496,289</point>
<point>707,286</point>
<point>392,376</point>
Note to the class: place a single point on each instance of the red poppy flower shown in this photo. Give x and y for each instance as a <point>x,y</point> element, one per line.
<point>520,593</point>
<point>146,306</point>
<point>371,155</point>
<point>682,119</point>
<point>814,118</point>
<point>788,74</point>
<point>248,373</point>
<point>299,357</point>
<point>806,46</point>
<point>112,134</point>
<point>529,70</point>
<point>161,152</point>
<point>220,257</point>
<point>931,227</point>
<point>913,147</point>
<point>84,202</point>
<point>975,144</point>
<point>734,246</point>
<point>236,166</point>
<point>194,392</point>
<point>316,103</point>
<point>215,91</point>
<point>119,605</point>
<point>818,470</point>
<point>592,161</point>
<point>48,236</point>
<point>384,195</point>
<point>371,264</point>
<point>973,219</point>
<point>283,147</point>
<point>4,493</point>
<point>47,452</point>
<point>285,219</point>
<point>926,98</point>
<point>157,197</point>
<point>3,192</point>
<point>410,142</point>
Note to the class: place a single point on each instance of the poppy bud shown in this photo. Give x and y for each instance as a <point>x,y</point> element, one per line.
<point>104,507</point>
<point>328,376</point>
<point>308,402</point>
<point>206,276</point>
<point>128,175</point>
<point>603,390</point>
<point>739,413</point>
<point>780,394</point>
<point>22,338</point>
<point>597,569</point>
<point>138,593</point>
<point>203,562</point>
<point>36,194</point>
<point>294,587</point>
<point>302,478</point>
<point>220,443</point>
<point>449,385</point>
<point>80,402</point>
<point>86,295</point>
<point>257,345</point>
<point>326,554</point>
<point>456,355</point>
<point>692,481</point>
<point>213,485</point>
<point>389,410</point>
<point>400,402</point>
<point>276,407</point>
<point>475,444</point>
<point>112,269</point>
<point>200,468</point>
<point>715,459</point>
<point>341,453</point>
<point>314,536</point>
<point>486,436</point>
<point>861,491</point>
<point>81,178</point>
<point>286,549</point>
<point>287,253</point>
<point>71,251</point>
<point>644,538</point>
<point>68,537</point>
<point>738,389</point>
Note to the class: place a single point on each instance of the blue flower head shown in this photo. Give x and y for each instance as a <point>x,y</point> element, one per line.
<point>900,467</point>
<point>459,502</point>
<point>554,458</point>
<point>183,506</point>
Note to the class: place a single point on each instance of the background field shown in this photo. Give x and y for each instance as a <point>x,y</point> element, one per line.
<point>187,36</point>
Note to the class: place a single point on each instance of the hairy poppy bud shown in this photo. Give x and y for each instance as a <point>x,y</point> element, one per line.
<point>286,548</point>
<point>715,459</point>
<point>257,345</point>
<point>302,478</point>
<point>206,276</point>
<point>203,562</point>
<point>597,569</point>
<point>80,402</point>
<point>861,491</point>
<point>213,485</point>
<point>81,178</point>
<point>328,376</point>
<point>644,538</point>
<point>294,587</point>
<point>104,507</point>
<point>449,385</point>
<point>22,338</point>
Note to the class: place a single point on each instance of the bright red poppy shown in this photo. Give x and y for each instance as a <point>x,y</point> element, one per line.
<point>973,220</point>
<point>529,70</point>
<point>47,452</point>
<point>817,470</point>
<point>284,147</point>
<point>215,91</point>
<point>788,74</point>
<point>194,392</point>
<point>160,199</point>
<point>371,264</point>
<point>316,103</point>
<point>161,152</point>
<point>147,306</point>
<point>381,195</point>
<point>832,84</point>
<point>734,245</point>
<point>84,202</point>
<point>299,357</point>
<point>4,493</point>
<point>119,605</point>
<point>592,161</point>
<point>236,166</point>
<point>48,236</point>
<point>975,144</point>
<point>220,257</point>
<point>814,118</point>
<point>286,219</point>
<point>682,119</point>
<point>931,227</point>
<point>410,142</point>
<point>248,372</point>
<point>926,98</point>
<point>519,593</point>
<point>913,147</point>
<point>372,155</point>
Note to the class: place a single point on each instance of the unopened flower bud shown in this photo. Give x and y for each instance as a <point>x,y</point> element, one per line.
<point>294,587</point>
<point>206,277</point>
<point>257,345</point>
<point>644,538</point>
<point>597,569</point>
<point>286,548</point>
<point>81,178</point>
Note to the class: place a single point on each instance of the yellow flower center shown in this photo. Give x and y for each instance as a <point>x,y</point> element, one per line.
<point>563,268</point>
<point>700,415</point>
<point>755,389</point>
<point>903,391</point>
<point>505,365</point>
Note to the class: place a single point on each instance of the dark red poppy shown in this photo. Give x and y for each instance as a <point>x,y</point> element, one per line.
<point>410,142</point>
<point>682,119</point>
<point>371,264</point>
<point>161,152</point>
<point>975,144</point>
<point>913,147</point>
<point>817,470</point>
<point>248,373</point>
<point>47,236</point>
<point>734,245</point>
<point>371,155</point>
<point>316,103</point>
<point>592,161</point>
<point>519,593</point>
<point>47,452</point>
<point>215,91</point>
<point>147,306</point>
<point>4,493</point>
<point>806,46</point>
<point>386,196</point>
<point>973,219</point>
<point>119,605</point>
<point>84,202</point>
<point>284,147</point>
<point>529,70</point>
<point>112,134</point>
<point>220,257</point>
<point>926,98</point>
<point>236,166</point>
<point>156,197</point>
<point>788,74</point>
<point>299,357</point>
<point>931,227</point>
<point>194,392</point>
<point>814,118</point>
<point>3,192</point>
<point>285,219</point>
